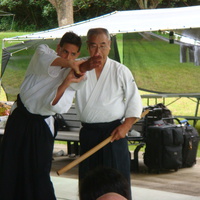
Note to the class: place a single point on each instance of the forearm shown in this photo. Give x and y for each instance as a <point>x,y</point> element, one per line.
<point>60,91</point>
<point>62,62</point>
<point>71,64</point>
<point>128,123</point>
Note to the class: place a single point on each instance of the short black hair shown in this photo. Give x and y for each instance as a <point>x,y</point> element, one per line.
<point>71,38</point>
<point>103,180</point>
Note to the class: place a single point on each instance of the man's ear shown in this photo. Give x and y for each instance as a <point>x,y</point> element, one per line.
<point>57,48</point>
<point>110,42</point>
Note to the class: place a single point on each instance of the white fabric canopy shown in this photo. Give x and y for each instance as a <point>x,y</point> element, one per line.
<point>128,21</point>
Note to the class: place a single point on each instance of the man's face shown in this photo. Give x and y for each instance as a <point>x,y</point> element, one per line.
<point>68,51</point>
<point>99,44</point>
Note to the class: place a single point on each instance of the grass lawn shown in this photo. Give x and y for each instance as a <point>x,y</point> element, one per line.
<point>156,65</point>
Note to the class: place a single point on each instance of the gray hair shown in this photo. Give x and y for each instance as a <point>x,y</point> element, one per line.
<point>97,31</point>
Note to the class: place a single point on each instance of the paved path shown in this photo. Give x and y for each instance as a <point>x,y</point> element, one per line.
<point>67,189</point>
<point>168,185</point>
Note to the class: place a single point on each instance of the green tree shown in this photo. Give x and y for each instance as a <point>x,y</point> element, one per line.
<point>148,4</point>
<point>92,8</point>
<point>178,3</point>
<point>152,4</point>
<point>31,15</point>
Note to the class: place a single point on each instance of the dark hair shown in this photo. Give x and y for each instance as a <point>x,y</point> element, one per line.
<point>101,181</point>
<point>96,31</point>
<point>71,38</point>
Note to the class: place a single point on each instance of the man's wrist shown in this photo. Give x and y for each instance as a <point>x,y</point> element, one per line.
<point>82,70</point>
<point>77,75</point>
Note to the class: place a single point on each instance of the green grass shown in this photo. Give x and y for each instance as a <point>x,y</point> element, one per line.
<point>155,65</point>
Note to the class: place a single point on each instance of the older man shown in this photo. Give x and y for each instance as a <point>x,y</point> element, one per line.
<point>108,104</point>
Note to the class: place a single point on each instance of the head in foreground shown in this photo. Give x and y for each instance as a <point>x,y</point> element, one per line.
<point>111,196</point>
<point>101,181</point>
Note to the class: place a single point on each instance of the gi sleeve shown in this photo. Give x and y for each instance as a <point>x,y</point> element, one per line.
<point>41,61</point>
<point>133,101</point>
<point>64,102</point>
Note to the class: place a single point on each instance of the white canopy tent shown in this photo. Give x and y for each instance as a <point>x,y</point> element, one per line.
<point>182,21</point>
<point>129,21</point>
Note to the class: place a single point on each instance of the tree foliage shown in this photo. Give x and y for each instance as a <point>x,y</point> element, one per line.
<point>30,15</point>
<point>93,8</point>
<point>148,4</point>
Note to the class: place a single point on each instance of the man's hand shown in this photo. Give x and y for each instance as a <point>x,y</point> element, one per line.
<point>123,129</point>
<point>119,132</point>
<point>76,65</point>
<point>93,62</point>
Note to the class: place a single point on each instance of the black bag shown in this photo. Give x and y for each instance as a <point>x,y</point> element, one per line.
<point>166,113</point>
<point>190,145</point>
<point>163,147</point>
<point>159,114</point>
<point>60,123</point>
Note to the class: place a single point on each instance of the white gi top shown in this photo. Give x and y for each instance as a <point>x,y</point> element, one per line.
<point>40,85</point>
<point>113,96</point>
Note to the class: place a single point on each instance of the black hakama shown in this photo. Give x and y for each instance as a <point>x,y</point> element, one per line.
<point>25,157</point>
<point>115,155</point>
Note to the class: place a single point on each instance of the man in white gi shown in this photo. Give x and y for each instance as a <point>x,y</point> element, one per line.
<point>109,96</point>
<point>48,88</point>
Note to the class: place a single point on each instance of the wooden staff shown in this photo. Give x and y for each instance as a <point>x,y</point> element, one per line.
<point>93,150</point>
